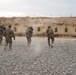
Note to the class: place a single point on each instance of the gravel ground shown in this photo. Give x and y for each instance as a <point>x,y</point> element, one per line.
<point>38,58</point>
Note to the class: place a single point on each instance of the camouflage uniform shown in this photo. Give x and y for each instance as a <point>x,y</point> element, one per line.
<point>29,33</point>
<point>1,34</point>
<point>50,35</point>
<point>3,27</point>
<point>8,36</point>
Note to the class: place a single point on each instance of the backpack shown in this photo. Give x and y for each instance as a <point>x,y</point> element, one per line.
<point>50,31</point>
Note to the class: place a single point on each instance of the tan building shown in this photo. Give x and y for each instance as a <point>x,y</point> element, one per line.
<point>65,26</point>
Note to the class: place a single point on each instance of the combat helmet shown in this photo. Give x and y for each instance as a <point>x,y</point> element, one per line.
<point>9,25</point>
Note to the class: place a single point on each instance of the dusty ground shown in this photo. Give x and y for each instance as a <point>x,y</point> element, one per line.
<point>38,58</point>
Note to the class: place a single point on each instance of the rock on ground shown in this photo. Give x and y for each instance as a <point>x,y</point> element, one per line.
<point>38,58</point>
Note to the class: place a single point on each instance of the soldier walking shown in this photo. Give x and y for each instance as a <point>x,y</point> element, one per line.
<point>29,33</point>
<point>8,34</point>
<point>1,34</point>
<point>50,35</point>
<point>3,27</point>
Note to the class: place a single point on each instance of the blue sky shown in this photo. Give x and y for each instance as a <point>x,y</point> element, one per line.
<point>53,8</point>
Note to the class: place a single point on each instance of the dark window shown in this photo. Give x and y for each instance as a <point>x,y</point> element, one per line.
<point>56,29</point>
<point>75,29</point>
<point>66,29</point>
<point>38,28</point>
<point>15,29</point>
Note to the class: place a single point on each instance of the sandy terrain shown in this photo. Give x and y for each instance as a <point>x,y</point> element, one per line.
<point>38,58</point>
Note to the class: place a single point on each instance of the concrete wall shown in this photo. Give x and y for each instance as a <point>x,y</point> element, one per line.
<point>43,28</point>
<point>21,24</point>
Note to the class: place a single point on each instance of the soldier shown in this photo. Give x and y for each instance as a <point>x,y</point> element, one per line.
<point>9,33</point>
<point>50,35</point>
<point>29,33</point>
<point>3,27</point>
<point>1,34</point>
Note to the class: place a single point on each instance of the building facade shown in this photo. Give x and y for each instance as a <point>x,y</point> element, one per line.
<point>61,26</point>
